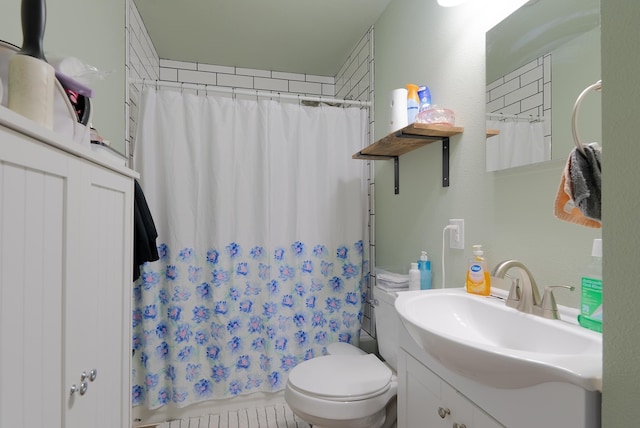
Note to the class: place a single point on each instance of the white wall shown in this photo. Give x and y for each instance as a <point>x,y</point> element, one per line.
<point>510,212</point>
<point>93,32</point>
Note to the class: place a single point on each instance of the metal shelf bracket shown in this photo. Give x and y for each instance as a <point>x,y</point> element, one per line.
<point>396,175</point>
<point>445,162</point>
<point>445,159</point>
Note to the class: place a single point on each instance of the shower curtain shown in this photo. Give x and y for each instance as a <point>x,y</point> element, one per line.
<point>520,142</point>
<point>261,212</point>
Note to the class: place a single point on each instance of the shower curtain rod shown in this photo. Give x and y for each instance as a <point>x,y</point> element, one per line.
<point>252,92</point>
<point>529,118</point>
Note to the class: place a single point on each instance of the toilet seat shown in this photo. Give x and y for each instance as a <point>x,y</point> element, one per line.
<point>343,378</point>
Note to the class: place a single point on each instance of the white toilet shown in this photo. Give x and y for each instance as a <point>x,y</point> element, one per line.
<point>349,388</point>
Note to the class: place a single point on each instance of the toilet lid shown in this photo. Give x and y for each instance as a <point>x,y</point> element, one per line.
<point>344,377</point>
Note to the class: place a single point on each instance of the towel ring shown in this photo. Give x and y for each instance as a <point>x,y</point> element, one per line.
<point>574,115</point>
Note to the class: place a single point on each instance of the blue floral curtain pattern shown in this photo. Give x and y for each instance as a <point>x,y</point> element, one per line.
<point>260,212</point>
<point>227,322</point>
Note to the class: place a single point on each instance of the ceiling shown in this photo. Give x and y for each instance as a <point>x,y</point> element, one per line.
<point>296,36</point>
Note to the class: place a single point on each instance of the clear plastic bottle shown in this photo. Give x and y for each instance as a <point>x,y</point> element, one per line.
<point>478,277</point>
<point>414,277</point>
<point>591,290</point>
<point>424,266</point>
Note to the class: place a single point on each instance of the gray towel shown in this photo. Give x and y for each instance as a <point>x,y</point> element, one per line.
<point>586,182</point>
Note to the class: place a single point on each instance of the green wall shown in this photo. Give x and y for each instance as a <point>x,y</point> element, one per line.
<point>509,212</point>
<point>621,205</point>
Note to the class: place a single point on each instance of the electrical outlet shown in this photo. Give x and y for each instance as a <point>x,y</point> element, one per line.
<point>456,236</point>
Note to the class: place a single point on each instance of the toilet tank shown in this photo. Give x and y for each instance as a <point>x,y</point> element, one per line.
<point>387,325</point>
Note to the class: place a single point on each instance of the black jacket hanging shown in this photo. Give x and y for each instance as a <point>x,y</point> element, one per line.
<point>144,232</point>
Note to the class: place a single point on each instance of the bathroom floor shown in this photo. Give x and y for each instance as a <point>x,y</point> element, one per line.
<point>273,416</point>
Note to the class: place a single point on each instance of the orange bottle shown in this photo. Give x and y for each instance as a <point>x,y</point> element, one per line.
<point>478,278</point>
<point>413,102</point>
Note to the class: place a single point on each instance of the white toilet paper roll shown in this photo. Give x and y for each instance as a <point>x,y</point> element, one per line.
<point>399,118</point>
<point>31,88</point>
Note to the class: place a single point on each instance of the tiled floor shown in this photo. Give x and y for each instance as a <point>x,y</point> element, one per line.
<point>275,416</point>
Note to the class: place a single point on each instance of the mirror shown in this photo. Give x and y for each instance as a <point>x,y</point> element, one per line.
<point>538,61</point>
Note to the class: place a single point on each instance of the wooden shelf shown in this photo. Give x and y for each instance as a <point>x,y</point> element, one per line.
<point>492,132</point>
<point>407,139</point>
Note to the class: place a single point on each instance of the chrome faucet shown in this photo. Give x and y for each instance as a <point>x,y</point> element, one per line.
<point>525,297</point>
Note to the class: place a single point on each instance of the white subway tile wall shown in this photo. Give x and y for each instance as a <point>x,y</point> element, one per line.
<point>354,81</point>
<point>247,78</point>
<point>525,91</point>
<point>142,62</point>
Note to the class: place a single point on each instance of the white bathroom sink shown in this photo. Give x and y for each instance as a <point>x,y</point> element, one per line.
<point>486,341</point>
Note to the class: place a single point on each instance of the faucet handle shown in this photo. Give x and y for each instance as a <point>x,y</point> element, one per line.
<point>548,304</point>
<point>514,292</point>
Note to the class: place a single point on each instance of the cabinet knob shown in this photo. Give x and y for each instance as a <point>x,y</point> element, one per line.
<point>93,373</point>
<point>83,388</point>
<point>73,389</point>
<point>443,412</point>
<point>457,425</point>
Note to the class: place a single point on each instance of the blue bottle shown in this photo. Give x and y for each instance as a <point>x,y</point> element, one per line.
<point>424,266</point>
<point>425,97</point>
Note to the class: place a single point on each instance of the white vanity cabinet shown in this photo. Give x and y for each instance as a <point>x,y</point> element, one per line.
<point>66,227</point>
<point>425,400</point>
<point>425,385</point>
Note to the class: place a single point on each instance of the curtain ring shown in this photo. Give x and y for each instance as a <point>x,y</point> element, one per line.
<point>181,88</point>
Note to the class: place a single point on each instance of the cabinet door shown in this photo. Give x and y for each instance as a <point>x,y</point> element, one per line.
<point>483,420</point>
<point>98,307</point>
<point>34,182</point>
<point>425,400</point>
<point>419,396</point>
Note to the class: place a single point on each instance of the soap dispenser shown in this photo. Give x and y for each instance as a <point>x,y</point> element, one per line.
<point>478,279</point>
<point>424,266</point>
